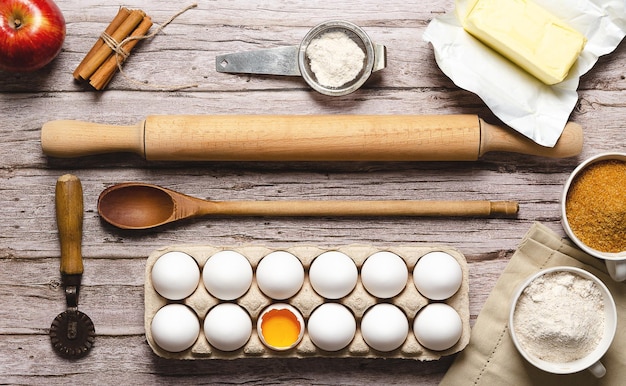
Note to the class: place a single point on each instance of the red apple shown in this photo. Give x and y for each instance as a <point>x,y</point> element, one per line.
<point>31,34</point>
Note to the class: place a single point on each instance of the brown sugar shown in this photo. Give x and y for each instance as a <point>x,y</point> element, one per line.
<point>596,206</point>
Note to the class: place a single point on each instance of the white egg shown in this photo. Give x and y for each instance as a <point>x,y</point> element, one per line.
<point>175,275</point>
<point>437,275</point>
<point>227,326</point>
<point>331,326</point>
<point>437,326</point>
<point>227,275</point>
<point>333,274</point>
<point>384,274</point>
<point>384,327</point>
<point>175,327</point>
<point>280,275</point>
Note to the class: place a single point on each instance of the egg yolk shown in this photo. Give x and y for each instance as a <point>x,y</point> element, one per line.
<point>280,328</point>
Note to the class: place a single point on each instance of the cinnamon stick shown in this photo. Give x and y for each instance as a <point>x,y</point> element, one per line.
<point>122,15</point>
<point>103,75</point>
<point>103,53</point>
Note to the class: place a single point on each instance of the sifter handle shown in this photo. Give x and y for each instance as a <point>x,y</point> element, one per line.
<point>69,213</point>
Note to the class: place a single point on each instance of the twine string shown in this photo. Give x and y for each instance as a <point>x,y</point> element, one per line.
<point>121,54</point>
<point>114,45</point>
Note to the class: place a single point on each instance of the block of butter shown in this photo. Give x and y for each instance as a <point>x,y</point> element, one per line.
<point>526,34</point>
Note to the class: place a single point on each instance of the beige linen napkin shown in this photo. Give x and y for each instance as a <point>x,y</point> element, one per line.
<point>490,358</point>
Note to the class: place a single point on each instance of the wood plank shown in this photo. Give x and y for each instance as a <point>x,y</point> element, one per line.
<point>112,290</point>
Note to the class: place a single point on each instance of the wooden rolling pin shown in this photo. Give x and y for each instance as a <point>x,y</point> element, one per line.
<point>300,138</point>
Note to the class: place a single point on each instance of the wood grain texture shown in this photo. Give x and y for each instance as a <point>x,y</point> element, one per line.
<point>114,260</point>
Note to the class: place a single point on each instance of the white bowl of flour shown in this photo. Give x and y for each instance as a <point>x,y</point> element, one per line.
<point>563,320</point>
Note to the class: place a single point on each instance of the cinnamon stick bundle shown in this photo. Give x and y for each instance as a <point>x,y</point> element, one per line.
<point>122,14</point>
<point>101,62</point>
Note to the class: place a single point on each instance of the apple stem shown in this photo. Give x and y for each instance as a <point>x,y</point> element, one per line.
<point>17,23</point>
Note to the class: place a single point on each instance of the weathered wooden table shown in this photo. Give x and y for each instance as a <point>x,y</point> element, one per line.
<point>112,293</point>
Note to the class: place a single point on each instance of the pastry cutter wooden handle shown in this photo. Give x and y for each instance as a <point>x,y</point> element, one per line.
<point>72,332</point>
<point>300,138</point>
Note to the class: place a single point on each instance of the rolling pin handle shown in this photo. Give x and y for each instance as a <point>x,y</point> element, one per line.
<point>496,138</point>
<point>68,139</point>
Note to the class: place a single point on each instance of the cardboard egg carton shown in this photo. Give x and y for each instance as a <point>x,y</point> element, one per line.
<point>306,300</point>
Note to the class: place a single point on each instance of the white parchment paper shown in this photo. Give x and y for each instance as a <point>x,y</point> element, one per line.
<point>521,101</point>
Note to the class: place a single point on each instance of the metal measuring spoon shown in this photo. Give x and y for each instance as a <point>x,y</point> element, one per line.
<point>72,333</point>
<point>293,60</point>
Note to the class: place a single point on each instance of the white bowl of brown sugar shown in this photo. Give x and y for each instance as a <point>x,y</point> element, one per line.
<point>593,210</point>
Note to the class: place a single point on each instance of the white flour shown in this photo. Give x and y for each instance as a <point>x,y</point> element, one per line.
<point>335,59</point>
<point>560,317</point>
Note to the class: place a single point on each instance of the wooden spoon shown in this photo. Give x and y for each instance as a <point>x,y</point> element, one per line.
<point>141,206</point>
